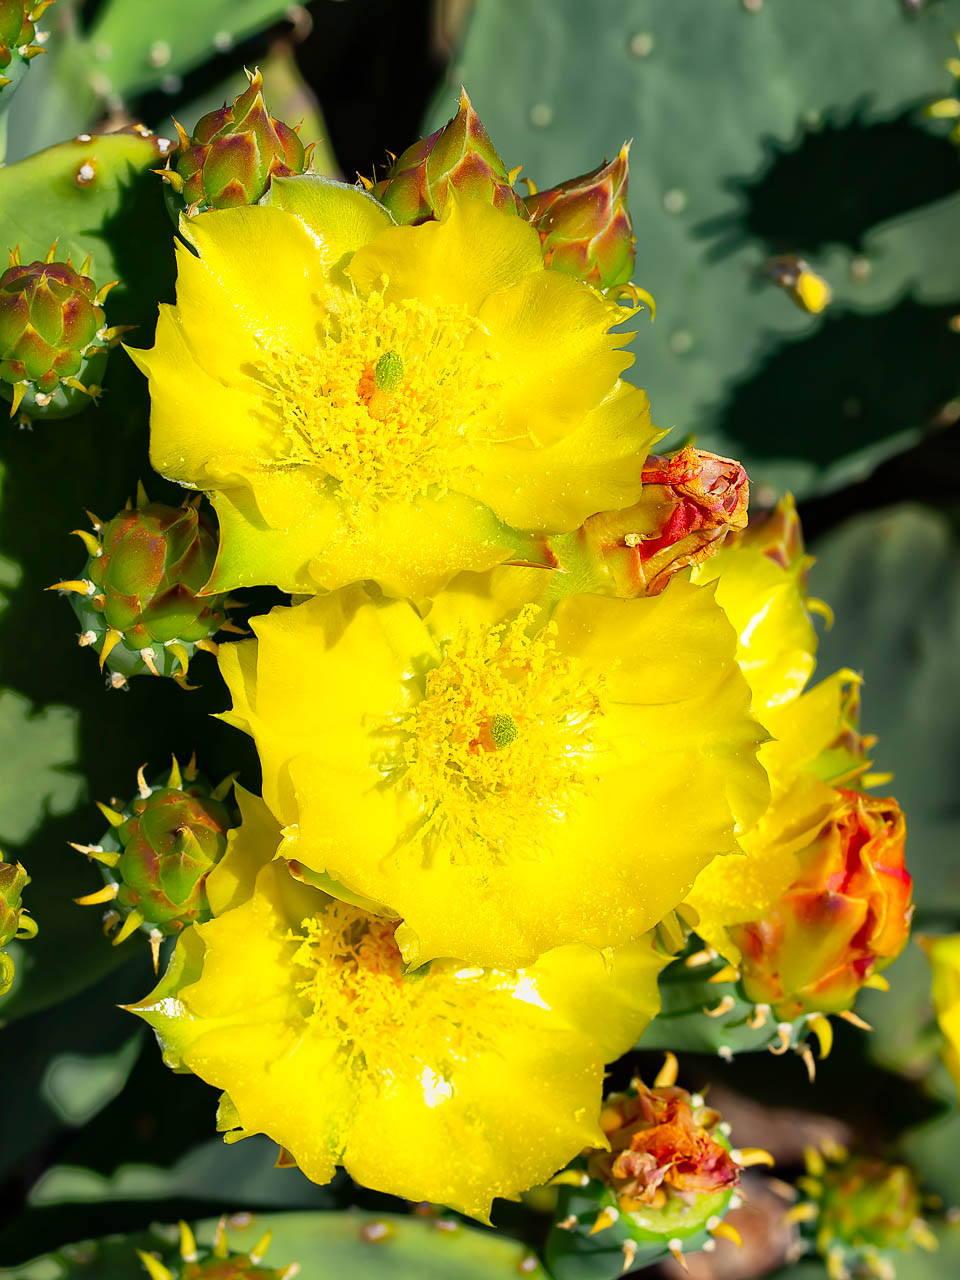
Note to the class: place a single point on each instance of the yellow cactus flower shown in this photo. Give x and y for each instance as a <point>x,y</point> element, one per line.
<point>368,401</point>
<point>944,956</point>
<point>452,1083</point>
<point>760,584</point>
<point>504,776</point>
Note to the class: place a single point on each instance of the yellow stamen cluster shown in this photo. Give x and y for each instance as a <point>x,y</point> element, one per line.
<point>360,997</point>
<point>393,390</point>
<point>502,741</point>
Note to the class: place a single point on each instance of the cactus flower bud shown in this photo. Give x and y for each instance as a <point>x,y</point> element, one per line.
<point>859,1212</point>
<point>158,852</point>
<point>139,596</point>
<point>845,917</point>
<point>234,154</point>
<point>218,1262</point>
<point>459,157</point>
<point>584,224</point>
<point>53,334</point>
<point>14,921</point>
<point>689,502</point>
<point>17,34</point>
<point>662,1188</point>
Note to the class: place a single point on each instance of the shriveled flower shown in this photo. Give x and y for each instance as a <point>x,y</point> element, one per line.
<point>505,777</point>
<point>363,400</point>
<point>690,502</point>
<point>944,956</point>
<point>450,1083</point>
<point>660,1185</point>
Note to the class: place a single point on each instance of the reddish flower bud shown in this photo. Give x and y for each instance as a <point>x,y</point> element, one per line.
<point>17,33</point>
<point>845,917</point>
<point>690,501</point>
<point>459,157</point>
<point>234,154</point>
<point>52,329</point>
<point>584,224</point>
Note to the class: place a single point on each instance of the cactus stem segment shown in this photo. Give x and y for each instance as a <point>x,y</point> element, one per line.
<point>106,894</point>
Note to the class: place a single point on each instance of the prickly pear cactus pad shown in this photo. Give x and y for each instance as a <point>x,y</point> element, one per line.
<point>478,757</point>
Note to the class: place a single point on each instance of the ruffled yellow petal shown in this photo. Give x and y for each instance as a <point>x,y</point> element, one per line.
<point>184,397</point>
<point>255,277</point>
<point>232,880</point>
<point>473,251</point>
<point>596,467</point>
<point>451,1085</point>
<point>339,218</point>
<point>944,956</point>
<point>777,641</point>
<point>550,322</point>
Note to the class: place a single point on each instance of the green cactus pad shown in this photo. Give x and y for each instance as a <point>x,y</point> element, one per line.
<point>358,1245</point>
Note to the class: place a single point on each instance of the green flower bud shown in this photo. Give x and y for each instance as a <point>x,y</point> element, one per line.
<point>584,224</point>
<point>53,335</point>
<point>158,852</point>
<point>459,157</point>
<point>139,596</point>
<point>234,154</point>
<point>17,35</point>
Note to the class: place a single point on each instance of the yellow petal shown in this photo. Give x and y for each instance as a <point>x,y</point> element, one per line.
<point>548,323</point>
<point>340,218</point>
<point>232,880</point>
<point>944,956</point>
<point>473,251</point>
<point>596,467</point>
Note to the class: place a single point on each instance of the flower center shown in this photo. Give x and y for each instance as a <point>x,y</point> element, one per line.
<point>382,1019</point>
<point>395,391</point>
<point>501,743</point>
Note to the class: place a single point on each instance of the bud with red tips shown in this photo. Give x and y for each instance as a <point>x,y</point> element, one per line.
<point>459,157</point>
<point>844,919</point>
<point>662,1188</point>
<point>585,226</point>
<point>689,503</point>
<point>158,852</point>
<point>53,334</point>
<point>18,32</point>
<point>139,596</point>
<point>14,921</point>
<point>234,154</point>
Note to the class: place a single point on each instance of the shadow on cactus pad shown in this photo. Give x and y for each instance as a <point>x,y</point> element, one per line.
<point>855,381</point>
<point>839,180</point>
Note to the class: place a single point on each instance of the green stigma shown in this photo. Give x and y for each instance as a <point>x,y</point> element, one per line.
<point>388,374</point>
<point>503,731</point>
